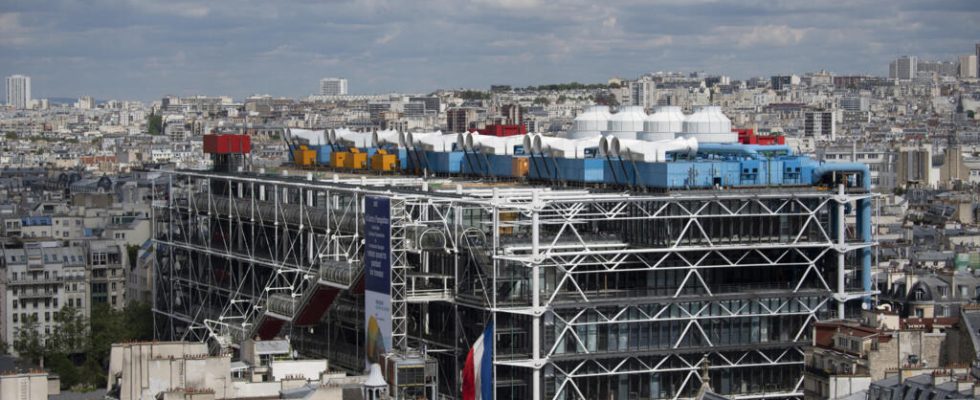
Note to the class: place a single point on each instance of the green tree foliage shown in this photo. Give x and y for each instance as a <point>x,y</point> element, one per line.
<point>154,124</point>
<point>568,86</point>
<point>132,251</point>
<point>78,349</point>
<point>71,332</point>
<point>542,101</point>
<point>473,95</point>
<point>606,99</point>
<point>28,342</point>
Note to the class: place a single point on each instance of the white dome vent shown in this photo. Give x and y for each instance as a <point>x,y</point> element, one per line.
<point>664,124</point>
<point>709,125</point>
<point>626,123</point>
<point>591,122</point>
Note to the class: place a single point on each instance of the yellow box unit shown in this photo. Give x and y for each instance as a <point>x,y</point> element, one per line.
<point>304,156</point>
<point>356,159</point>
<point>384,162</point>
<point>338,159</point>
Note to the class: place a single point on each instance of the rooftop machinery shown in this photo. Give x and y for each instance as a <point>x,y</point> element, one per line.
<point>591,292</point>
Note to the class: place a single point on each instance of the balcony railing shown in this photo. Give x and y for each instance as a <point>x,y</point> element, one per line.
<point>37,295</point>
<point>37,281</point>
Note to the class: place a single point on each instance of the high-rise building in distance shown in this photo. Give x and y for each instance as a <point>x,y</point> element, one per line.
<point>904,68</point>
<point>333,87</point>
<point>19,91</point>
<point>968,66</point>
<point>978,59</point>
<point>820,125</point>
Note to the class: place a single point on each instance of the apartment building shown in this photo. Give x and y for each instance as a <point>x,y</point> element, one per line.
<point>37,281</point>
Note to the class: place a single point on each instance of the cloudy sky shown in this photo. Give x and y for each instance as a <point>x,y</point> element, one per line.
<point>143,49</point>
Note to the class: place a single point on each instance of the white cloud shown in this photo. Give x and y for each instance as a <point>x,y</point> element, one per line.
<point>12,32</point>
<point>184,9</point>
<point>510,4</point>
<point>388,37</point>
<point>759,35</point>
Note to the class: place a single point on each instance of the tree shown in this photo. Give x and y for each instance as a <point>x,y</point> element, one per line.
<point>154,124</point>
<point>70,334</point>
<point>139,321</point>
<point>132,251</point>
<point>28,342</point>
<point>109,326</point>
<point>542,101</point>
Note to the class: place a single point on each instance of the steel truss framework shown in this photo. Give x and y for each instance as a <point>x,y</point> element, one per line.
<point>592,294</point>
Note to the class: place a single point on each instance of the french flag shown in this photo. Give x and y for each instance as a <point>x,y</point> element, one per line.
<point>478,371</point>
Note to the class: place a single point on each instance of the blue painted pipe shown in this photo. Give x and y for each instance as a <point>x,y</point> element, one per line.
<point>734,149</point>
<point>746,150</point>
<point>863,216</point>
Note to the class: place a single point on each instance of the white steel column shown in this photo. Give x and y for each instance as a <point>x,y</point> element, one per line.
<point>535,295</point>
<point>841,238</point>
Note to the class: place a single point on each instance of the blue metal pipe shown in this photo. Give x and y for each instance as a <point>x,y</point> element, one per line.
<point>863,212</point>
<point>775,148</point>
<point>862,169</point>
<point>734,149</point>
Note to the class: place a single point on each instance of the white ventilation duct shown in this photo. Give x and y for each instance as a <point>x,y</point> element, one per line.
<point>529,143</point>
<point>626,123</point>
<point>432,141</point>
<point>380,138</point>
<point>642,150</point>
<point>709,125</point>
<point>488,144</point>
<point>591,122</point>
<point>564,148</point>
<point>333,137</point>
<point>664,124</point>
<point>354,139</point>
<point>312,137</point>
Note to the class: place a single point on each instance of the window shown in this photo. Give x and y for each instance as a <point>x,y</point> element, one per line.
<point>47,317</point>
<point>964,291</point>
<point>944,291</point>
<point>15,317</point>
<point>919,313</point>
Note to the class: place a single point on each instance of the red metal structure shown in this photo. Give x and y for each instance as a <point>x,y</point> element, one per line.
<point>226,143</point>
<point>748,136</point>
<point>502,130</point>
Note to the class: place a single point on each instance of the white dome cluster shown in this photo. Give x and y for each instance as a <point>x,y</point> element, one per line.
<point>707,124</point>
